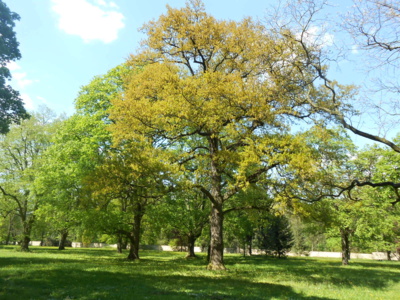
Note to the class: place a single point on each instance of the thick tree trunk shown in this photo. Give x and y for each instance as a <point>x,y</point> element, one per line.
<point>26,236</point>
<point>63,239</point>
<point>134,237</point>
<point>133,249</point>
<point>388,253</point>
<point>217,244</point>
<point>217,216</point>
<point>345,234</point>
<point>209,251</point>
<point>25,243</point>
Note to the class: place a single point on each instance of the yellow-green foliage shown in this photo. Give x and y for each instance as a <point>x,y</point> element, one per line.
<point>228,82</point>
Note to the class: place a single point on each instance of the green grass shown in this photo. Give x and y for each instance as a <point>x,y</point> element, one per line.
<point>46,273</point>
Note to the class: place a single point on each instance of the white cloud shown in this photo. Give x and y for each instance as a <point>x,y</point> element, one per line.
<point>354,49</point>
<point>42,100</point>
<point>113,4</point>
<point>101,2</point>
<point>89,19</point>
<point>328,39</point>
<point>28,102</point>
<point>21,80</point>
<point>13,66</point>
<point>315,35</point>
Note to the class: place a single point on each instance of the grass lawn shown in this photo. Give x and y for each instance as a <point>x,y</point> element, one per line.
<point>46,273</point>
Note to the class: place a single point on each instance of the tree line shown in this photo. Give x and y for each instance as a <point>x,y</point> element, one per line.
<point>214,131</point>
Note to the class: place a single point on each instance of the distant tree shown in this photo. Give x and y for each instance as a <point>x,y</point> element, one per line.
<point>378,227</point>
<point>79,147</point>
<point>123,187</point>
<point>275,236</point>
<point>185,213</point>
<point>21,151</point>
<point>11,105</point>
<point>240,228</point>
<point>300,236</point>
<point>59,179</point>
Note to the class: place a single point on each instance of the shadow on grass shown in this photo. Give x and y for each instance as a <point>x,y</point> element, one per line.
<point>47,273</point>
<point>79,284</point>
<point>370,274</point>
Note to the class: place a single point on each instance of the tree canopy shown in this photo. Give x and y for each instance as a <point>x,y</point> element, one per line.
<point>219,97</point>
<point>231,123</point>
<point>11,105</point>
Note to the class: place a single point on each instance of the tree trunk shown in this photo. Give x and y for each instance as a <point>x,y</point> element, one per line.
<point>25,243</point>
<point>122,243</point>
<point>217,217</point>
<point>134,237</point>
<point>209,251</point>
<point>119,247</point>
<point>345,234</point>
<point>216,244</point>
<point>191,241</point>
<point>133,249</point>
<point>27,224</point>
<point>42,239</point>
<point>250,244</point>
<point>26,236</point>
<point>388,253</point>
<point>8,238</point>
<point>9,231</point>
<point>63,239</point>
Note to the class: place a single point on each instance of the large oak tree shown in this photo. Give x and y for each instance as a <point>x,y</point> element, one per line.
<point>219,98</point>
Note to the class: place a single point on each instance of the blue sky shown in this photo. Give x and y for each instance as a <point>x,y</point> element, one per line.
<point>65,43</point>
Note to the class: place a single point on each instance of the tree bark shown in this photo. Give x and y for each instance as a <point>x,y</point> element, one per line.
<point>134,236</point>
<point>217,244</point>
<point>209,250</point>
<point>42,239</point>
<point>388,253</point>
<point>133,249</point>
<point>191,241</point>
<point>121,244</point>
<point>9,231</point>
<point>217,216</point>
<point>63,239</point>
<point>26,236</point>
<point>345,235</point>
<point>25,243</point>
<point>250,244</point>
<point>119,247</point>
